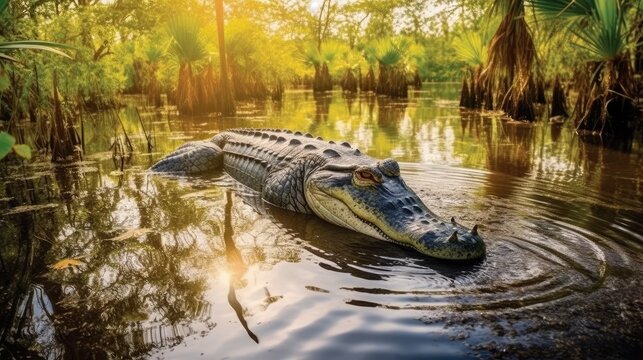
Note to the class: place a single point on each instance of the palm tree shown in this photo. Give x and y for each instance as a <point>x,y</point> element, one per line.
<point>606,83</point>
<point>188,49</point>
<point>392,75</point>
<point>511,57</point>
<point>320,57</point>
<point>471,47</point>
<point>368,82</point>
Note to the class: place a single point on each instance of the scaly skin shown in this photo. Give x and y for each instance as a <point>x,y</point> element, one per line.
<point>297,172</point>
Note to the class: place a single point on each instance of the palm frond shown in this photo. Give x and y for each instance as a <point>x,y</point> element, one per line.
<point>187,45</point>
<point>311,55</point>
<point>34,45</point>
<point>604,37</point>
<point>471,48</point>
<point>153,54</point>
<point>551,9</point>
<point>332,49</point>
<point>391,52</point>
<point>369,52</point>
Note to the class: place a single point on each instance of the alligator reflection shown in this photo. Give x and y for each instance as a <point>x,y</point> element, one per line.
<point>356,254</point>
<point>235,265</point>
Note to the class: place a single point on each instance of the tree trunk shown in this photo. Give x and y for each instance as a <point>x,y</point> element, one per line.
<point>227,100</point>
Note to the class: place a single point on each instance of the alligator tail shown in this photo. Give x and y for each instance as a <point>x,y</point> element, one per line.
<point>190,158</point>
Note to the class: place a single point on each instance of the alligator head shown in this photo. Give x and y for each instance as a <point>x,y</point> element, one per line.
<point>374,200</point>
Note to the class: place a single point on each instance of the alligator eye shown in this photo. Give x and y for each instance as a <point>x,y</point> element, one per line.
<point>365,178</point>
<point>364,175</point>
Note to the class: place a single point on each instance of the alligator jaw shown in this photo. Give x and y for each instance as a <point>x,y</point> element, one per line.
<point>436,239</point>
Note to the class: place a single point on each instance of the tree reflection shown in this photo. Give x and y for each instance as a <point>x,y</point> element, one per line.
<point>322,107</point>
<point>236,266</point>
<point>130,295</point>
<point>390,115</point>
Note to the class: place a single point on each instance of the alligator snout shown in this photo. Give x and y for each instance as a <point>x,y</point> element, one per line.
<point>453,242</point>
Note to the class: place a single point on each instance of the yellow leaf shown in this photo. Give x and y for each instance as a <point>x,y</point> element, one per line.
<point>132,233</point>
<point>24,151</point>
<point>65,263</point>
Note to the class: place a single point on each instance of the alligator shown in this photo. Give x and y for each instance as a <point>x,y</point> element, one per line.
<point>336,182</point>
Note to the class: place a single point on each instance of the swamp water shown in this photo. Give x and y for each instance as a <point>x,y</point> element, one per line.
<point>102,263</point>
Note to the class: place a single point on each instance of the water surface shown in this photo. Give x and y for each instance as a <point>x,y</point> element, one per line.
<point>189,267</point>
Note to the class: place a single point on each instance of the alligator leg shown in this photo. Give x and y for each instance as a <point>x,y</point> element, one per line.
<point>192,157</point>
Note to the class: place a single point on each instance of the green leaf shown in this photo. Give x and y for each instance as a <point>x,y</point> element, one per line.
<point>24,151</point>
<point>6,144</point>
<point>4,80</point>
<point>7,57</point>
<point>41,43</point>
<point>31,46</point>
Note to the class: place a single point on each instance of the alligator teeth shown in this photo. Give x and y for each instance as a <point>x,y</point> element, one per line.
<point>474,231</point>
<point>453,237</point>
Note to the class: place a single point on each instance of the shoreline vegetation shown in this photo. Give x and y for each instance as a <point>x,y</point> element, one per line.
<point>529,59</point>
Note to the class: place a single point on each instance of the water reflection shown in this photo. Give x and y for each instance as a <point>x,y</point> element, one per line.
<point>359,255</point>
<point>132,290</point>
<point>236,267</point>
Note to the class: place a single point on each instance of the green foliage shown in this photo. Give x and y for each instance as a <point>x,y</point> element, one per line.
<point>439,61</point>
<point>8,144</point>
<point>599,25</point>
<point>604,37</point>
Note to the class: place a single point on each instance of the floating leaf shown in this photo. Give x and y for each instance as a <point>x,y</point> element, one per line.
<point>65,263</point>
<point>24,151</point>
<point>29,208</point>
<point>6,144</point>
<point>132,233</point>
